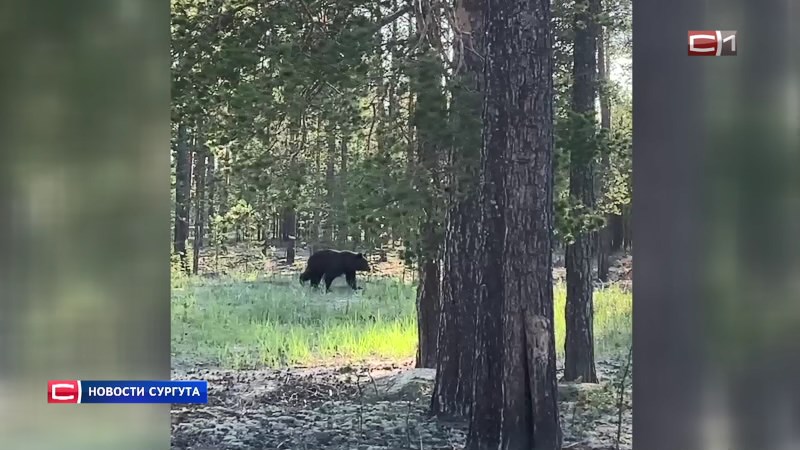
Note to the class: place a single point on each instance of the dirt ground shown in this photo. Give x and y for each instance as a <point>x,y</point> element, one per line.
<point>377,406</point>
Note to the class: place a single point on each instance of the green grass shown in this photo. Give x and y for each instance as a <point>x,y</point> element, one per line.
<point>247,321</point>
<point>612,320</point>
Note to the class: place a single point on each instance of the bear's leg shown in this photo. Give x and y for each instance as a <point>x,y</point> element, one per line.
<point>315,280</point>
<point>328,280</point>
<point>351,279</point>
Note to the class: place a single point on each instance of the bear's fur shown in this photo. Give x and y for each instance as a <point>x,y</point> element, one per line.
<point>330,264</point>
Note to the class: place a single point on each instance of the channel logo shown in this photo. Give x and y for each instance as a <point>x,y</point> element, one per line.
<point>130,391</point>
<point>712,43</point>
<point>63,391</point>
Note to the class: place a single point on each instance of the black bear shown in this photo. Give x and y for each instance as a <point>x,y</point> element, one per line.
<point>331,264</point>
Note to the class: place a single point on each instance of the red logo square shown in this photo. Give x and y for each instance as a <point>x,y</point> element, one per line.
<point>704,43</point>
<point>63,391</point>
<point>712,43</point>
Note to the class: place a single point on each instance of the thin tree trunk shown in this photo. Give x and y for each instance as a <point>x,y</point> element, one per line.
<point>316,214</point>
<point>617,232</point>
<point>627,227</point>
<point>289,233</point>
<point>199,226</point>
<point>515,402</point>
<point>392,107</point>
<point>410,150</point>
<point>381,93</point>
<point>183,186</point>
<point>428,311</point>
<point>579,341</point>
<point>392,88</point>
<point>604,234</point>
<point>225,181</point>
<point>452,394</point>
<point>341,200</point>
<point>264,228</point>
<point>330,187</point>
<point>211,186</point>
<point>429,120</point>
<point>280,219</point>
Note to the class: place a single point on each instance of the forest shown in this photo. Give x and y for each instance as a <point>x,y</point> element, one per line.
<point>477,153</point>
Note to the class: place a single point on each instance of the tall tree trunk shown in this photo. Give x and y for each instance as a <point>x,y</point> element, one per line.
<point>381,94</point>
<point>223,177</point>
<point>430,122</point>
<point>299,142</point>
<point>183,187</point>
<point>392,105</point>
<point>392,108</point>
<point>289,231</point>
<point>452,393</point>
<point>428,311</point>
<point>280,220</point>
<point>277,225</point>
<point>211,186</point>
<point>411,162</point>
<point>627,227</point>
<point>341,201</point>
<point>330,188</point>
<point>604,234</point>
<point>264,227</point>
<point>316,220</point>
<point>515,403</point>
<point>579,342</point>
<point>199,186</point>
<point>617,228</point>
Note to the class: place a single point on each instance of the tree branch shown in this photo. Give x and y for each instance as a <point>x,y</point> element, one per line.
<point>393,16</point>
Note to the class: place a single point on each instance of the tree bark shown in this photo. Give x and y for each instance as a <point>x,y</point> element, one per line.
<point>289,233</point>
<point>617,228</point>
<point>411,148</point>
<point>183,186</point>
<point>452,394</point>
<point>515,403</point>
<point>316,221</point>
<point>428,311</point>
<point>277,225</point>
<point>579,342</point>
<point>604,234</point>
<point>627,227</point>
<point>200,183</point>
<point>265,230</point>
<point>341,200</point>
<point>211,186</point>
<point>223,177</point>
<point>429,121</point>
<point>330,188</point>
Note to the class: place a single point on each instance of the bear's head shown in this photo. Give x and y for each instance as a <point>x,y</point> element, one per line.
<point>360,263</point>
